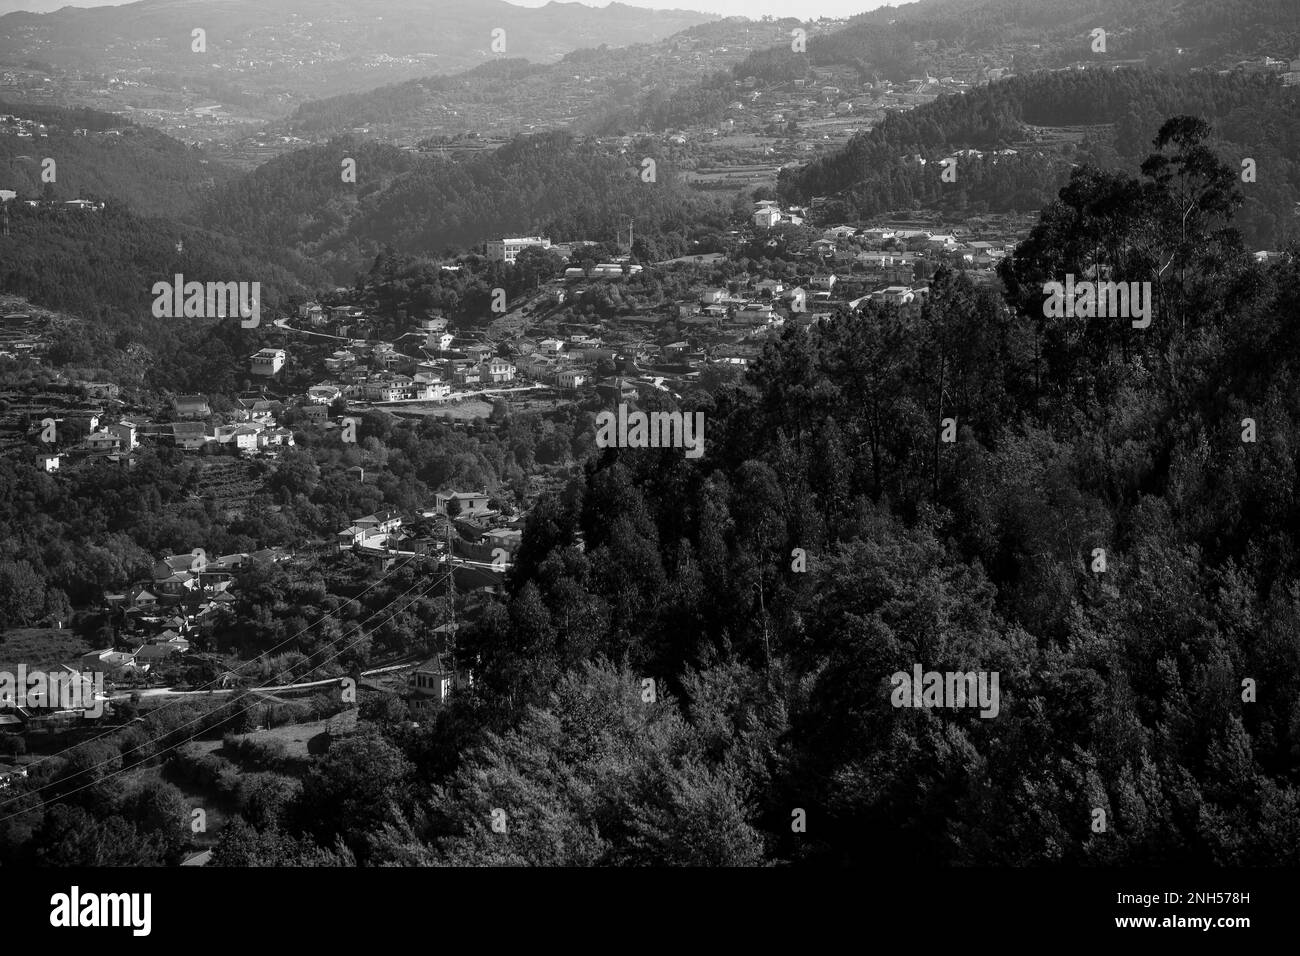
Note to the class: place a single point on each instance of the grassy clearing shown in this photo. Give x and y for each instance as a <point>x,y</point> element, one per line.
<point>40,647</point>
<point>302,741</point>
<point>460,411</point>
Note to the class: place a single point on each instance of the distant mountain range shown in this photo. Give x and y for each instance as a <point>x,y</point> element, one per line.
<point>1049,32</point>
<point>511,95</point>
<point>46,6</point>
<point>317,47</point>
<point>952,37</point>
<point>688,77</point>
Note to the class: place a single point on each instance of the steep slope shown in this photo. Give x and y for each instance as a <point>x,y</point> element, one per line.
<point>98,155</point>
<point>1052,121</point>
<point>546,183</point>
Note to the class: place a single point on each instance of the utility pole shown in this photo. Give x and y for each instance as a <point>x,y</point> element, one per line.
<point>451,598</point>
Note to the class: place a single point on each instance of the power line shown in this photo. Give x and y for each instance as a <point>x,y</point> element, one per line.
<point>179,743</point>
<point>212,684</point>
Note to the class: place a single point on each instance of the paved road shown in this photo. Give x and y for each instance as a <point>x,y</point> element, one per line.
<point>283,323</point>
<point>452,398</point>
<point>328,682</point>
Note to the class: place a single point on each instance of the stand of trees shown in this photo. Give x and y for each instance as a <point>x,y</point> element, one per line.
<point>550,183</point>
<point>1162,691</point>
<point>875,172</point>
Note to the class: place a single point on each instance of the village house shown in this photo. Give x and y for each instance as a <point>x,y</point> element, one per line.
<point>570,378</point>
<point>369,531</point>
<point>498,370</point>
<point>315,414</point>
<point>190,436</point>
<point>152,655</point>
<point>176,586</point>
<point>537,366</point>
<point>385,355</point>
<point>340,360</point>
<point>275,437</point>
<point>461,504</point>
<point>266,362</point>
<point>243,437</point>
<point>386,388</point>
<point>141,597</point>
<point>258,410</point>
<point>839,232</point>
<point>383,522</point>
<point>433,680</point>
<point>428,365</point>
<point>126,433</point>
<point>109,662</point>
<point>170,564</point>
<point>464,373</point>
<point>103,442</point>
<point>191,406</point>
<point>323,394</point>
<point>895,295</point>
<point>353,536</point>
<point>616,390</point>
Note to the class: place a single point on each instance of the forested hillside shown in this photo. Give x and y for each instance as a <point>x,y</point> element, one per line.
<point>550,184</point>
<point>101,266</point>
<point>1124,689</point>
<point>877,171</point>
<point>667,683</point>
<point>147,170</point>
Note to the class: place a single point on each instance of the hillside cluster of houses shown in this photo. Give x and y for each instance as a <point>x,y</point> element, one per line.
<point>72,434</point>
<point>426,364</point>
<point>152,625</point>
<point>829,93</point>
<point>156,616</point>
<point>75,205</point>
<point>462,521</point>
<point>845,267</point>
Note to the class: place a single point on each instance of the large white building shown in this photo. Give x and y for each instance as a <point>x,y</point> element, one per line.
<point>267,362</point>
<point>506,250</point>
